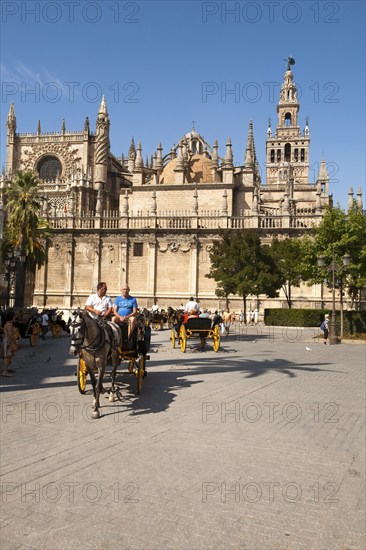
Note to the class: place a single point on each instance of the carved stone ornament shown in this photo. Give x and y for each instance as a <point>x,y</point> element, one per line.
<point>56,253</point>
<point>64,151</point>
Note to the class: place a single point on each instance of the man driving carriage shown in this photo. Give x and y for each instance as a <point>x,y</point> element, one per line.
<point>99,304</point>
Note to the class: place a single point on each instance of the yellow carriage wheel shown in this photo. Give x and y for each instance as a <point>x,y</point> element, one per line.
<point>56,331</point>
<point>216,338</point>
<point>183,338</point>
<point>81,375</point>
<point>140,372</point>
<point>173,338</point>
<point>34,336</point>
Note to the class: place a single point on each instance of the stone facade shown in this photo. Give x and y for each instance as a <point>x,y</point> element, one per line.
<point>152,223</point>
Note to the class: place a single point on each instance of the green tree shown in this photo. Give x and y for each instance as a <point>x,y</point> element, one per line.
<point>25,229</point>
<point>240,264</point>
<point>338,234</point>
<point>287,255</point>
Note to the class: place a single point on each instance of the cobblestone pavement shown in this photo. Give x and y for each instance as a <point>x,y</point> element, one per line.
<point>258,446</point>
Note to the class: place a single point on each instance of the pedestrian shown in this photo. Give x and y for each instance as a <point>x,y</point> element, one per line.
<point>44,323</point>
<point>99,305</point>
<point>325,328</point>
<point>226,322</point>
<point>9,341</point>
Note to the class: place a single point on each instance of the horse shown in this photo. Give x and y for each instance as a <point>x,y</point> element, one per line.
<point>98,342</point>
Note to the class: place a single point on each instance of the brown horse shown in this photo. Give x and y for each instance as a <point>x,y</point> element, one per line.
<point>98,342</point>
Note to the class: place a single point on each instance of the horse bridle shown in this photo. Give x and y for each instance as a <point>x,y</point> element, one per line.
<point>93,346</point>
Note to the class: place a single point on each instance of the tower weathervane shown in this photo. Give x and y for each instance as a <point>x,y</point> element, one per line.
<point>290,61</point>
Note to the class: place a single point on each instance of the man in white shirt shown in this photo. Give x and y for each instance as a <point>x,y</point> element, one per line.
<point>99,304</point>
<point>44,318</point>
<point>192,304</point>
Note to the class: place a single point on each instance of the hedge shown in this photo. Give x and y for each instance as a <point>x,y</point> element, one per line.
<point>354,321</point>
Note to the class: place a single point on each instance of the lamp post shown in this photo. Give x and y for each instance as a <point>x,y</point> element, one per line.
<point>14,257</point>
<point>334,268</point>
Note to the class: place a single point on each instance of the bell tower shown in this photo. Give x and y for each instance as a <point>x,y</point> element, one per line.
<point>287,151</point>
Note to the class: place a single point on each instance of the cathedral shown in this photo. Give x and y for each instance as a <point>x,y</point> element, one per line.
<point>152,223</point>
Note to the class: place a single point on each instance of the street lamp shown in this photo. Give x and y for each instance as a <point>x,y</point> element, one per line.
<point>334,268</point>
<point>13,258</point>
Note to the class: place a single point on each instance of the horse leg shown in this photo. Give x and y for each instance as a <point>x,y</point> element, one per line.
<point>115,361</point>
<point>98,390</point>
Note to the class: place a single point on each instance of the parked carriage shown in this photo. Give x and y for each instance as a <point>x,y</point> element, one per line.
<point>199,327</point>
<point>56,323</point>
<point>159,318</point>
<point>26,326</point>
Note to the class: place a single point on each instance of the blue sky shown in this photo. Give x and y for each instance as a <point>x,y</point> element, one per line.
<point>162,65</point>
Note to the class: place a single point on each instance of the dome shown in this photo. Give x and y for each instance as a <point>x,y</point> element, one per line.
<point>199,171</point>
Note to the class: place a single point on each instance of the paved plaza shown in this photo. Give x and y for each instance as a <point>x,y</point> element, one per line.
<point>258,446</point>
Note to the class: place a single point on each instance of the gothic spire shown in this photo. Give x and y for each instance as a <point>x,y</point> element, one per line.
<point>103,107</point>
<point>323,173</point>
<point>139,164</point>
<point>132,150</point>
<point>11,122</point>
<point>249,152</point>
<point>228,161</point>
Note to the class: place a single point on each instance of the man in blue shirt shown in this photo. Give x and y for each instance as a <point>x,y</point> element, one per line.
<point>125,308</point>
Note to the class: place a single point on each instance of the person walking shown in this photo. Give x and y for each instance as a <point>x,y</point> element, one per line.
<point>325,328</point>
<point>8,339</point>
<point>44,324</point>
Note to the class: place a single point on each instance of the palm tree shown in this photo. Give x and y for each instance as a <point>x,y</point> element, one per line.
<point>25,229</point>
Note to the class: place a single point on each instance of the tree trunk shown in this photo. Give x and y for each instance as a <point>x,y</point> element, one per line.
<point>245,308</point>
<point>19,284</point>
<point>289,295</point>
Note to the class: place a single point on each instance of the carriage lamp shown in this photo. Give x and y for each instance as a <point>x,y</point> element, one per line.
<point>334,268</point>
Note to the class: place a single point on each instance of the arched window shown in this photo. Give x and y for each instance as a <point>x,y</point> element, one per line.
<point>288,119</point>
<point>49,168</point>
<point>272,155</point>
<point>302,155</point>
<point>296,154</point>
<point>287,152</point>
<point>278,155</point>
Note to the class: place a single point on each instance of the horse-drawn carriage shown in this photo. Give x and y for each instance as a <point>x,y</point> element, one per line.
<point>98,342</point>
<point>26,325</point>
<point>189,327</point>
<point>56,323</point>
<point>159,318</point>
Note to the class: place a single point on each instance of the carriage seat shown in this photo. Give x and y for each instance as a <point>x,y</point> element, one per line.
<point>198,323</point>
